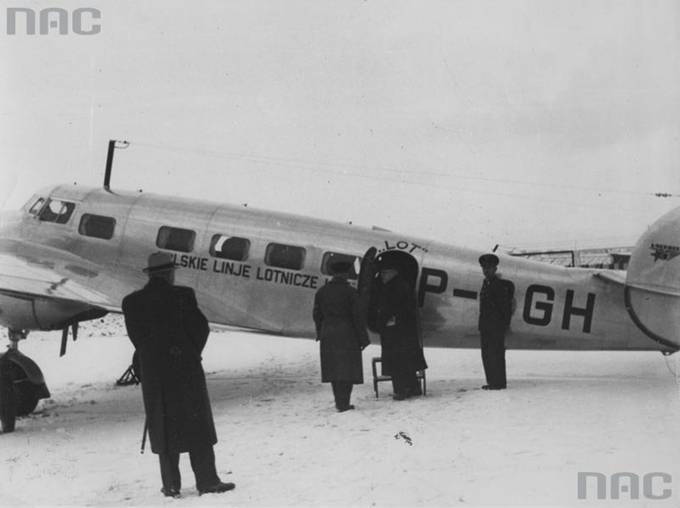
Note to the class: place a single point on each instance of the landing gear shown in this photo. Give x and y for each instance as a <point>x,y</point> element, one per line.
<point>8,399</point>
<point>21,383</point>
<point>131,375</point>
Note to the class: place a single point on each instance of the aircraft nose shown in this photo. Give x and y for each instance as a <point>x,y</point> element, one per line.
<point>9,219</point>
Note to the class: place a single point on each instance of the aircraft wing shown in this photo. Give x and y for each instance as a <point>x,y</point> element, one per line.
<point>619,277</point>
<point>615,276</point>
<point>32,270</point>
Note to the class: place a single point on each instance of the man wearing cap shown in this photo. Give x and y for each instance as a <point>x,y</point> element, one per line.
<point>341,329</point>
<point>495,311</point>
<point>169,332</point>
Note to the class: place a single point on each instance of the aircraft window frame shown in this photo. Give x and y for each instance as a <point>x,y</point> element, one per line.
<point>177,239</point>
<point>333,256</point>
<point>37,206</point>
<point>238,252</point>
<point>62,216</point>
<point>277,255</point>
<point>97,226</point>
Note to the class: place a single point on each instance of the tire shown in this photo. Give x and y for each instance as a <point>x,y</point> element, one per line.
<point>8,405</point>
<point>26,397</point>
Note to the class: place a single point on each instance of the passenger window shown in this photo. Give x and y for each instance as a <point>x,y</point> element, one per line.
<point>97,226</point>
<point>178,239</point>
<point>332,257</point>
<point>285,256</point>
<point>36,206</point>
<point>57,211</point>
<point>229,247</point>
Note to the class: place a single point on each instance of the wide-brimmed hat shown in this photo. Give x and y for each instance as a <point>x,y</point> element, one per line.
<point>159,262</point>
<point>388,263</point>
<point>488,260</point>
<point>340,266</point>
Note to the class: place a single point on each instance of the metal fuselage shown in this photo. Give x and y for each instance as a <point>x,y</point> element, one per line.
<point>556,307</point>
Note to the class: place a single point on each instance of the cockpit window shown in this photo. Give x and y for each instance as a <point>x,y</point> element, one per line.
<point>57,211</point>
<point>36,206</point>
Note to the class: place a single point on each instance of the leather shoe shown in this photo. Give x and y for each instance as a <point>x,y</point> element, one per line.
<point>218,488</point>
<point>171,492</point>
<point>491,387</point>
<point>346,408</point>
<point>400,396</point>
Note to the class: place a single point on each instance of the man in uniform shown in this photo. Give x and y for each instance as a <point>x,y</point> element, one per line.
<point>340,326</point>
<point>169,332</point>
<point>495,311</point>
<point>402,355</point>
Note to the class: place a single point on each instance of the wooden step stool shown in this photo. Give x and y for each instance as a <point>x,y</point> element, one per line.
<point>420,375</point>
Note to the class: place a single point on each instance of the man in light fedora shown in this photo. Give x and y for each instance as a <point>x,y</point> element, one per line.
<point>169,332</point>
<point>495,312</point>
<point>341,329</point>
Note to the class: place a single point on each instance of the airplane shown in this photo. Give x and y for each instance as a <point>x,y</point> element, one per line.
<point>71,254</point>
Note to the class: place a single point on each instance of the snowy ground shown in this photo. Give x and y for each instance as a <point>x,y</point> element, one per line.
<point>283,444</point>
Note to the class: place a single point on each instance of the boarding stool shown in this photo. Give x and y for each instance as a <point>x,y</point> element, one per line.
<point>420,375</point>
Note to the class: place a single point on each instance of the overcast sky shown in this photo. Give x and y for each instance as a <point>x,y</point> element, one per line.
<point>524,123</point>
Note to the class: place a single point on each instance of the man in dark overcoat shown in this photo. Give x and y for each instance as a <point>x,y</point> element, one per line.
<point>402,353</point>
<point>341,330</point>
<point>495,312</point>
<point>169,332</point>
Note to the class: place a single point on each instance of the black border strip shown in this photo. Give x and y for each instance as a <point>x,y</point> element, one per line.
<point>464,293</point>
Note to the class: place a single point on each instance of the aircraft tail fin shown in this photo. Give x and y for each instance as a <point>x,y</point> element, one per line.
<point>652,288</point>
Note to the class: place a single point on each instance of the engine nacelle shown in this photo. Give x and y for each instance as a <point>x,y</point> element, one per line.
<point>34,313</point>
<point>653,282</point>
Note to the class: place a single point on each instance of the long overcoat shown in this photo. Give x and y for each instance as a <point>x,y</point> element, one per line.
<point>495,305</point>
<point>495,313</point>
<point>169,332</point>
<point>341,329</point>
<point>397,323</point>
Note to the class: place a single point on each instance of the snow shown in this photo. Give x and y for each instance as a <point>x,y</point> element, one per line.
<point>283,444</point>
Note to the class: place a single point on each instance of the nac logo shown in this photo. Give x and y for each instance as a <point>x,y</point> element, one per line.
<point>624,486</point>
<point>53,20</point>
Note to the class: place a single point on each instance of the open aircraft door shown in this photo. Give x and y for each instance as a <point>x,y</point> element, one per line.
<point>367,273</point>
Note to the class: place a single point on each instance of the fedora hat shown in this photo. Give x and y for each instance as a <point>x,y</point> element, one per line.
<point>340,267</point>
<point>159,262</point>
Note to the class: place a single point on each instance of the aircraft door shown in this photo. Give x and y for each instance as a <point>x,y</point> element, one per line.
<point>369,280</point>
<point>365,286</point>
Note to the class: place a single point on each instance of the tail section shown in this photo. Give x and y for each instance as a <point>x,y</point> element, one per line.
<point>653,282</point>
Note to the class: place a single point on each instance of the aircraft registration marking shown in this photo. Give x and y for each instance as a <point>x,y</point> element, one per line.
<point>539,301</point>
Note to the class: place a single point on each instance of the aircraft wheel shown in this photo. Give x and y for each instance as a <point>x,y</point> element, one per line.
<point>8,405</point>
<point>26,397</point>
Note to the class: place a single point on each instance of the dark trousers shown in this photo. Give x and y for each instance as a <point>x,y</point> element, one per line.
<point>202,462</point>
<point>342,391</point>
<point>405,382</point>
<point>493,357</point>
<point>402,369</point>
